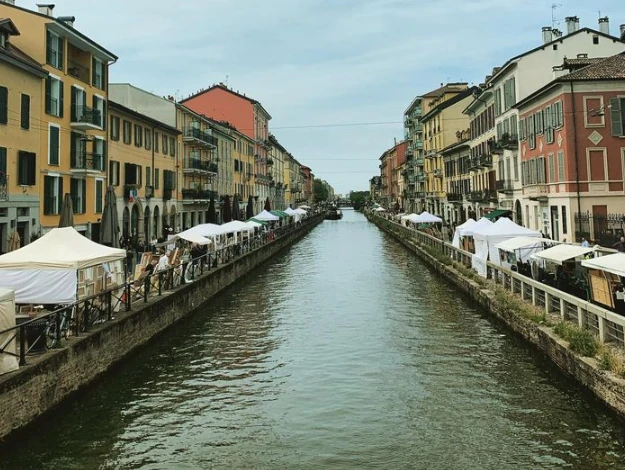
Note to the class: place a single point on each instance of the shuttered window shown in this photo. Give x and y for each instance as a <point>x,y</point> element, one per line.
<point>617,114</point>
<point>99,193</point>
<point>53,155</point>
<point>4,105</point>
<point>25,112</point>
<point>26,166</point>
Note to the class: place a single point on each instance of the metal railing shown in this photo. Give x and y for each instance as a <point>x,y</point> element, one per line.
<point>87,161</point>
<point>4,187</point>
<point>78,71</point>
<point>607,325</point>
<point>195,133</point>
<point>199,164</point>
<point>85,114</point>
<point>51,330</point>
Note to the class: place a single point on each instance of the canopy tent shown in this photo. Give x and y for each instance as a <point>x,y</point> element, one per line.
<point>255,224</point>
<point>458,233</point>
<point>487,238</point>
<point>301,211</point>
<point>205,230</point>
<point>497,213</point>
<point>525,246</point>
<point>261,223</point>
<point>293,213</point>
<point>280,214</point>
<point>266,216</point>
<point>189,236</point>
<point>236,226</point>
<point>46,270</point>
<point>614,263</point>
<point>562,252</point>
<point>469,230</point>
<point>408,216</point>
<point>8,362</point>
<point>425,218</point>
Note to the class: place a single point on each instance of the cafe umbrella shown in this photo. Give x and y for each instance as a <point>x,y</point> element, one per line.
<point>227,209</point>
<point>236,212</point>
<point>249,210</point>
<point>109,227</point>
<point>212,215</point>
<point>67,212</point>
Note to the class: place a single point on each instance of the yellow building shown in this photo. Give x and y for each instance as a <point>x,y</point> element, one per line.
<point>289,200</point>
<point>21,98</point>
<point>73,137</point>
<point>244,178</point>
<point>443,118</point>
<point>142,169</point>
<point>275,169</point>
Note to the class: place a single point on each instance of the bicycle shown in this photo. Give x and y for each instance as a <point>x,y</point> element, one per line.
<point>53,332</point>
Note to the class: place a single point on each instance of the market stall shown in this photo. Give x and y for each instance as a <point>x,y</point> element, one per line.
<point>517,252</point>
<point>605,275</point>
<point>560,266</point>
<point>8,345</point>
<point>459,234</point>
<point>61,267</point>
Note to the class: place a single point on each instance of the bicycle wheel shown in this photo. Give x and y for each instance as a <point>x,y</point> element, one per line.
<point>50,335</point>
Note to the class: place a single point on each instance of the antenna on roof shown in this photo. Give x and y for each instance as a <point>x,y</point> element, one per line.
<point>554,22</point>
<point>227,76</point>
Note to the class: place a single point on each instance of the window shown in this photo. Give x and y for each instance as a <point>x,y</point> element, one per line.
<point>132,174</point>
<point>165,145</point>
<point>552,176</point>
<point>3,39</point>
<point>97,73</point>
<point>26,168</point>
<point>78,193</point>
<point>558,115</point>
<point>617,115</point>
<point>561,176</point>
<point>172,146</point>
<point>54,96</point>
<point>79,106</point>
<point>156,178</point>
<point>54,50</point>
<point>99,107</point>
<point>509,93</point>
<point>539,122</point>
<point>52,194</point>
<point>531,136</point>
<point>127,132</point>
<point>138,136</point>
<point>595,39</point>
<point>98,154</point>
<point>25,112</point>
<point>113,173</point>
<point>115,128</point>
<point>156,142</point>
<point>148,176</point>
<point>99,193</point>
<point>4,105</point>
<point>549,134</point>
<point>498,101</point>
<point>515,160</point>
<point>564,221</point>
<point>54,140</point>
<point>169,180</point>
<point>514,127</point>
<point>148,139</point>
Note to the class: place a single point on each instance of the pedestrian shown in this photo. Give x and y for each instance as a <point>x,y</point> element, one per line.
<point>585,243</point>
<point>620,245</point>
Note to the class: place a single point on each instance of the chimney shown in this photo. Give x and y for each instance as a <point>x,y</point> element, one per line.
<point>572,24</point>
<point>623,32</point>
<point>547,34</point>
<point>557,34</point>
<point>68,20</point>
<point>45,8</point>
<point>604,25</point>
<point>10,2</point>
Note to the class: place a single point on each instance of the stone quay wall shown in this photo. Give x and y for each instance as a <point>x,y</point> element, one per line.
<point>606,386</point>
<point>53,377</point>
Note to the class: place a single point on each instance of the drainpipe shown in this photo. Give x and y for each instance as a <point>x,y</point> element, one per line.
<point>575,153</point>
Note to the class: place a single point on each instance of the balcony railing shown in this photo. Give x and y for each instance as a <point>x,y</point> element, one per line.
<point>87,115</point>
<point>504,186</point>
<point>199,135</point>
<point>87,161</point>
<point>454,197</point>
<point>438,173</point>
<point>198,194</point>
<point>4,187</point>
<point>481,161</point>
<point>197,164</point>
<point>168,193</point>
<point>78,71</point>
<point>486,195</point>
<point>420,194</point>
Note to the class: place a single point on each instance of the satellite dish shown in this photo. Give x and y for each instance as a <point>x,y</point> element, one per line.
<point>535,271</point>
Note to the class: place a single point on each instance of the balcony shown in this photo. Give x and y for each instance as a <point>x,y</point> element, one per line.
<point>438,173</point>
<point>418,145</point>
<point>537,192</point>
<point>85,118</point>
<point>504,186</point>
<point>149,192</point>
<point>86,162</point>
<point>454,197</point>
<point>130,190</point>
<point>199,137</point>
<point>192,196</point>
<point>420,194</point>
<point>168,193</point>
<point>505,142</point>
<point>269,162</point>
<point>78,71</point>
<point>481,161</point>
<point>4,187</point>
<point>486,195</point>
<point>195,165</point>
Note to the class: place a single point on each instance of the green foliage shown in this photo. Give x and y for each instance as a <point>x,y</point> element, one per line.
<point>580,340</point>
<point>512,304</point>
<point>359,198</point>
<point>320,191</point>
<point>607,360</point>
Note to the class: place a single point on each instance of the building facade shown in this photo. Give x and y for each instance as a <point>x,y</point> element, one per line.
<point>573,153</point>
<point>73,121</point>
<point>457,169</point>
<point>142,167</point>
<point>21,96</point>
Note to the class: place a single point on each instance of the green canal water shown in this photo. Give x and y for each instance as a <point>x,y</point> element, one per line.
<point>346,352</point>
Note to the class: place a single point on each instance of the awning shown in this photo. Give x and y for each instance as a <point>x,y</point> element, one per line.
<point>614,263</point>
<point>560,253</point>
<point>517,243</point>
<point>497,213</point>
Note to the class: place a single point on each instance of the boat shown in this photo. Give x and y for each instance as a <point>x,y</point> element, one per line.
<point>334,213</point>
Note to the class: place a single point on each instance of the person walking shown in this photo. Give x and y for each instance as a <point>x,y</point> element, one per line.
<point>620,245</point>
<point>585,243</point>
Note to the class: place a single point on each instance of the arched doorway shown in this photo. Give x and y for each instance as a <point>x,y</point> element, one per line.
<point>126,223</point>
<point>134,221</point>
<point>518,212</point>
<point>155,228</point>
<point>174,222</point>
<point>165,222</point>
<point>146,225</point>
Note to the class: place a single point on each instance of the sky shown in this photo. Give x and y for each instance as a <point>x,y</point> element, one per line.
<point>336,75</point>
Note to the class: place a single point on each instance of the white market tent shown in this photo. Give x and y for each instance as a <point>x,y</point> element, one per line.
<point>525,246</point>
<point>236,226</point>
<point>8,362</point>
<point>476,227</point>
<point>459,232</point>
<point>301,211</point>
<point>425,218</point>
<point>266,216</point>
<point>190,236</point>
<point>560,253</point>
<point>205,230</point>
<point>304,207</point>
<point>488,237</point>
<point>254,224</point>
<point>614,263</point>
<point>409,216</point>
<point>46,270</point>
<point>293,213</point>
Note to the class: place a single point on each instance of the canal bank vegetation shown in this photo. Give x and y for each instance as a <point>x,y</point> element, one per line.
<point>579,337</point>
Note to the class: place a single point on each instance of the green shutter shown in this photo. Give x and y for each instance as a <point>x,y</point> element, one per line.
<point>61,46</point>
<point>25,114</point>
<point>83,197</point>
<point>98,196</point>
<point>47,195</point>
<point>4,105</point>
<point>617,122</point>
<point>61,98</point>
<point>48,93</point>
<point>49,47</point>
<point>93,71</point>
<point>3,161</point>
<point>32,169</point>
<point>54,145</point>
<point>59,196</point>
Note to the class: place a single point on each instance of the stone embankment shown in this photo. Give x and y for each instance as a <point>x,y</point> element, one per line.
<point>543,322</point>
<point>51,378</point>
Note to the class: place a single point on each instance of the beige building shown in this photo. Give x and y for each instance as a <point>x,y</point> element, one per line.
<point>21,98</point>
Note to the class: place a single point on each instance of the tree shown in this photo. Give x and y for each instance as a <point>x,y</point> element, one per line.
<point>359,198</point>
<point>320,191</point>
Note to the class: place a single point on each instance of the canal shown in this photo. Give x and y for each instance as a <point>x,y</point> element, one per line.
<point>345,352</point>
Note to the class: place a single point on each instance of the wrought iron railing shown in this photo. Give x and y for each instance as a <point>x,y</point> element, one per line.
<point>85,114</point>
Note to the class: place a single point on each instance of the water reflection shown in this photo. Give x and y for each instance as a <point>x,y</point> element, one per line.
<point>344,352</point>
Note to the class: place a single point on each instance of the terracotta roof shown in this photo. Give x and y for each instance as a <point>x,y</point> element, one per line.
<point>449,87</point>
<point>612,68</point>
<point>581,61</point>
<point>225,88</point>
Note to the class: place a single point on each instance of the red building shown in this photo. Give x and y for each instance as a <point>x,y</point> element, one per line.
<point>308,184</point>
<point>572,134</point>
